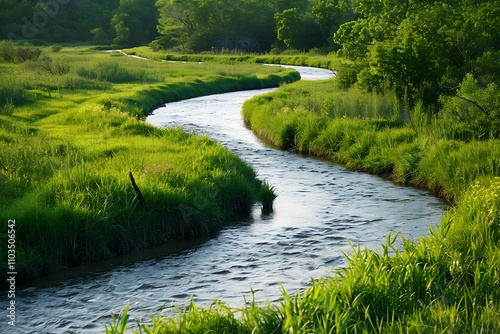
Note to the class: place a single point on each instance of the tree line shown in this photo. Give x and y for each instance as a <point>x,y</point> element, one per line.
<point>421,49</point>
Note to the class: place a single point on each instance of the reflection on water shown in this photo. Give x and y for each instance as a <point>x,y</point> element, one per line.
<point>320,207</point>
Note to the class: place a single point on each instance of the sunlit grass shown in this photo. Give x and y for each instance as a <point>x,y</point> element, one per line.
<point>70,147</point>
<point>448,281</point>
<point>300,59</point>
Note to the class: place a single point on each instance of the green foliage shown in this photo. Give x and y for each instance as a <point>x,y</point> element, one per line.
<point>111,71</point>
<point>419,48</point>
<point>248,26</point>
<point>47,64</point>
<point>7,50</point>
<point>446,282</point>
<point>289,28</point>
<point>64,165</point>
<point>18,54</point>
<point>11,93</point>
<point>120,322</point>
<point>475,109</point>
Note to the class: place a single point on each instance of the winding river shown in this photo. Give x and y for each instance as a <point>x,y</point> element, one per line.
<point>320,207</point>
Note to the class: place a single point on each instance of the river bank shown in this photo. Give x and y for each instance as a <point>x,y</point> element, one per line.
<point>320,207</point>
<point>85,178</point>
<point>445,282</point>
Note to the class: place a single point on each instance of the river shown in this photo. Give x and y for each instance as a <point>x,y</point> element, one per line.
<point>319,208</point>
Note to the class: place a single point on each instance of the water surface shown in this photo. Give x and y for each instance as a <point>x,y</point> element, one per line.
<point>320,207</point>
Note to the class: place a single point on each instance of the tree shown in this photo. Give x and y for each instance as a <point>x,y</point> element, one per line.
<point>474,108</point>
<point>134,22</point>
<point>420,47</point>
<point>405,63</point>
<point>327,15</point>
<point>100,36</point>
<point>289,28</point>
<point>199,25</point>
<point>122,31</point>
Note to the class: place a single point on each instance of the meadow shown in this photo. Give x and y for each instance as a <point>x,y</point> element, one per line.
<point>85,178</point>
<point>445,282</point>
<point>72,140</point>
<point>234,57</point>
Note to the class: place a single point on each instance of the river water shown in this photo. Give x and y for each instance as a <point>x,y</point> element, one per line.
<point>320,207</point>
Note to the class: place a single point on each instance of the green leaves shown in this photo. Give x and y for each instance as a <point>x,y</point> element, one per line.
<point>416,46</point>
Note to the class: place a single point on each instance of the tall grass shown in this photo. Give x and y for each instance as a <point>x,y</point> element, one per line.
<point>12,93</point>
<point>68,155</point>
<point>300,59</point>
<point>366,132</point>
<point>448,281</point>
<point>111,71</point>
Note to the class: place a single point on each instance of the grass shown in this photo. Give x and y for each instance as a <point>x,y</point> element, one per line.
<point>372,133</point>
<point>71,144</point>
<point>299,59</point>
<point>445,282</point>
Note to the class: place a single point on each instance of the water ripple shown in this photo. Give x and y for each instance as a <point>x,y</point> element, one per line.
<point>320,208</point>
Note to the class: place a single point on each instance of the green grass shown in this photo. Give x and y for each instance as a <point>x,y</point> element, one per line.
<point>372,133</point>
<point>445,282</point>
<point>68,146</point>
<point>300,59</point>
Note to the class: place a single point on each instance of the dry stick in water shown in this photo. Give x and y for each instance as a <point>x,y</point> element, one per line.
<point>137,191</point>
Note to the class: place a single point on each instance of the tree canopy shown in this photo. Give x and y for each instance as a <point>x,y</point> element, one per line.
<point>418,48</point>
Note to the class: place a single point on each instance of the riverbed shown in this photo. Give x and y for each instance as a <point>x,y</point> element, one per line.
<point>320,208</point>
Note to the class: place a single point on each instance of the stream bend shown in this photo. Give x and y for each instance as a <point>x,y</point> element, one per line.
<point>320,207</point>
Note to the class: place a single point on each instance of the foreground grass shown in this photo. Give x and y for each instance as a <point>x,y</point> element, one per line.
<point>85,178</point>
<point>446,282</point>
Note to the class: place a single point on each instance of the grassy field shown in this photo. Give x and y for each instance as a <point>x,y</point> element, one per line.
<point>299,59</point>
<point>72,139</point>
<point>374,133</point>
<point>85,178</point>
<point>446,282</point>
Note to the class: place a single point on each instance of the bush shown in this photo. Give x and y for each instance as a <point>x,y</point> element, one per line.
<point>474,108</point>
<point>7,50</point>
<point>26,53</point>
<point>50,66</point>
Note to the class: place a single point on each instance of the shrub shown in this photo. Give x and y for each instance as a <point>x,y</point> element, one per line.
<point>50,66</point>
<point>26,53</point>
<point>475,108</point>
<point>7,50</point>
